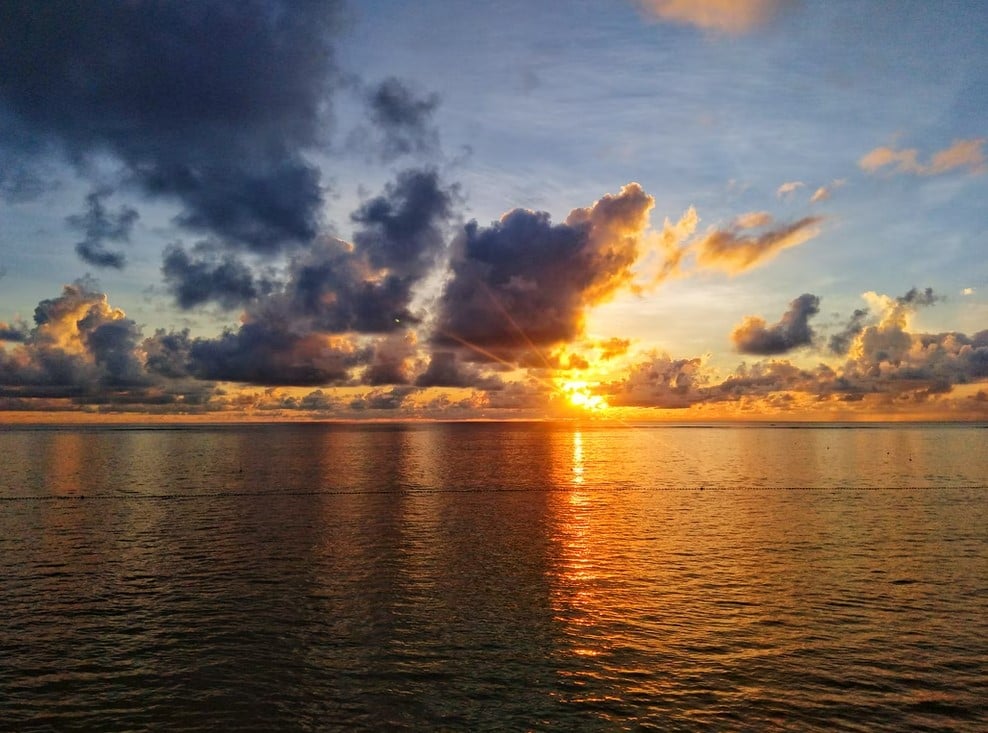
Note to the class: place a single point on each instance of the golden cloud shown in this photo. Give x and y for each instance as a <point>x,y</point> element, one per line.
<point>722,16</point>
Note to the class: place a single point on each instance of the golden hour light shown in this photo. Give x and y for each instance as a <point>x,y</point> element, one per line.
<point>580,394</point>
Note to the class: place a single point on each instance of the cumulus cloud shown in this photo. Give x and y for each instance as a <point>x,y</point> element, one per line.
<point>967,154</point>
<point>303,332</point>
<point>392,360</point>
<point>445,369</point>
<point>210,274</point>
<point>723,16</point>
<point>659,381</point>
<point>83,351</point>
<point>523,284</point>
<point>211,104</point>
<point>755,336</point>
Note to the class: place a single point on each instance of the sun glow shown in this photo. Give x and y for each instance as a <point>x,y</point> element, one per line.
<point>579,394</point>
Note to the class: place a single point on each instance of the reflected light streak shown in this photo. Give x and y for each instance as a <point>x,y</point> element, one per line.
<point>577,458</point>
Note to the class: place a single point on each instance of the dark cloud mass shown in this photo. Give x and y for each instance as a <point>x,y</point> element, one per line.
<point>755,336</point>
<point>403,118</point>
<point>13,331</point>
<point>302,332</point>
<point>211,103</point>
<point>209,274</point>
<point>918,298</point>
<point>524,283</point>
<point>100,227</point>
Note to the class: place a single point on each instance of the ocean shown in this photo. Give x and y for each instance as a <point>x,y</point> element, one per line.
<point>494,576</point>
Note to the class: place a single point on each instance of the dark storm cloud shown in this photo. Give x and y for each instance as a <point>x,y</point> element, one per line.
<point>755,336</point>
<point>524,283</point>
<point>100,227</point>
<point>207,274</point>
<point>403,118</point>
<point>211,103</point>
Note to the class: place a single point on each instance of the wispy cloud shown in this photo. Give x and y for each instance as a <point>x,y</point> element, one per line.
<point>788,188</point>
<point>825,192</point>
<point>967,154</point>
<point>734,252</point>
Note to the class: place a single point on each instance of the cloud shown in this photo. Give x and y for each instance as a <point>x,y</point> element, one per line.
<point>334,286</point>
<point>208,274</point>
<point>446,370</point>
<point>269,354</point>
<point>723,16</point>
<point>305,330</point>
<point>13,331</point>
<point>728,250</point>
<point>100,227</point>
<point>823,193</point>
<point>613,348</point>
<point>523,284</point>
<point>967,154</point>
<point>392,360</point>
<point>752,220</point>
<point>840,342</point>
<point>82,351</point>
<point>403,118</point>
<point>659,381</point>
<point>886,339</point>
<point>788,188</point>
<point>214,105</point>
<point>792,331</point>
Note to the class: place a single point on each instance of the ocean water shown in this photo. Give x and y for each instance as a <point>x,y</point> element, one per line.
<point>494,577</point>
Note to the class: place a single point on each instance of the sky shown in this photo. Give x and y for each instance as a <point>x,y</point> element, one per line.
<point>635,210</point>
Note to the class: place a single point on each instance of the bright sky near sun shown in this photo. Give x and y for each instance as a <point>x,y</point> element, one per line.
<point>756,209</point>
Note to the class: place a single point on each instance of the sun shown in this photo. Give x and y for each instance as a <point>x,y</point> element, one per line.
<point>579,394</point>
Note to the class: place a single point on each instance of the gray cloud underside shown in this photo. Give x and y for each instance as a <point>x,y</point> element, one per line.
<point>212,104</point>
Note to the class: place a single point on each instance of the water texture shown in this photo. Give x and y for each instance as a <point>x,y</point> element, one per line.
<point>494,576</point>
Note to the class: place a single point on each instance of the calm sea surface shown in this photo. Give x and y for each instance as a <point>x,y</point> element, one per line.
<point>494,576</point>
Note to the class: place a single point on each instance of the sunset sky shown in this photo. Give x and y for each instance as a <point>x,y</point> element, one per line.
<point>635,209</point>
